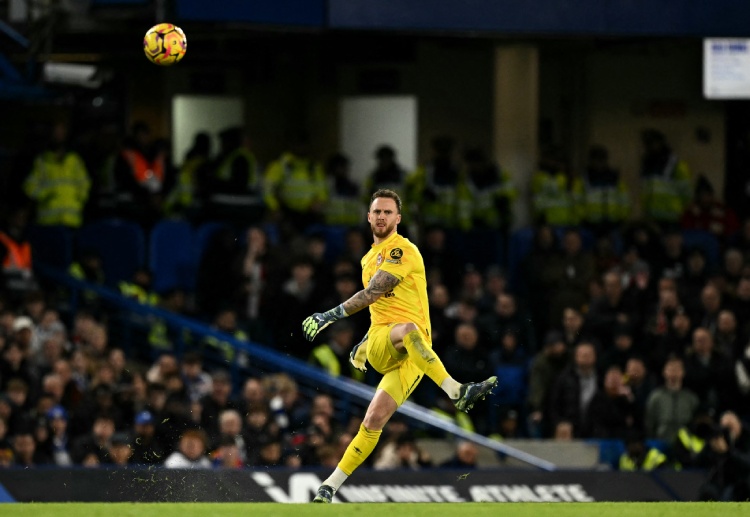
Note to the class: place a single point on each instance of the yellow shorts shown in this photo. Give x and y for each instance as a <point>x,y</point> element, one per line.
<point>400,374</point>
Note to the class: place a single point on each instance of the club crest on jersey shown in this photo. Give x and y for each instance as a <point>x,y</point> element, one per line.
<point>379,259</point>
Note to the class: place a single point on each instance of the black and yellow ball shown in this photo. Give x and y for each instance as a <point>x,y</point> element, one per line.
<point>165,44</point>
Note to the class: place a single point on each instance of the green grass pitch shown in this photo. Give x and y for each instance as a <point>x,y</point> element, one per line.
<point>376,510</point>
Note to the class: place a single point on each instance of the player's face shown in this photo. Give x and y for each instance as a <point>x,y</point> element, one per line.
<point>383,217</point>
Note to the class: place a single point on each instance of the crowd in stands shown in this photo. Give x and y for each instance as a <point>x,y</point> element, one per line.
<point>619,329</point>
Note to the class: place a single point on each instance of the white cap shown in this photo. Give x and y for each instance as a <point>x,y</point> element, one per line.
<point>22,322</point>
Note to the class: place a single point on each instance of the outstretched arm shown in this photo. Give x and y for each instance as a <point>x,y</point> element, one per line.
<point>381,283</point>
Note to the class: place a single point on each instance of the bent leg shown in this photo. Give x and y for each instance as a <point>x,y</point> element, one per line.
<point>406,337</point>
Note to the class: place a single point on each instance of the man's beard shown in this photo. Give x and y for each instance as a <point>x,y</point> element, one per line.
<point>381,232</point>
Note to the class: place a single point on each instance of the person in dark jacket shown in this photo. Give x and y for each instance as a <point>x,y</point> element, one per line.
<point>575,389</point>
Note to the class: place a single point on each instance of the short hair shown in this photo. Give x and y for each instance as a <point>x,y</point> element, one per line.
<point>391,194</point>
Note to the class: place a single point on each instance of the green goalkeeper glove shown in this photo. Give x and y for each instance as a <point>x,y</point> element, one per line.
<point>312,325</point>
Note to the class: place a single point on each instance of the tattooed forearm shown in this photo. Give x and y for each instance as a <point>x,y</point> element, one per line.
<point>380,284</point>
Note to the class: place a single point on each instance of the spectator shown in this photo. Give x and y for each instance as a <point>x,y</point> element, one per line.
<point>727,340</point>
<point>58,445</point>
<point>611,413</point>
<point>434,186</point>
<point>641,384</point>
<point>671,406</point>
<point>575,389</point>
<point>332,355</point>
<point>387,174</point>
<point>609,310</point>
<point>711,305</point>
<point>215,403</point>
<point>344,206</point>
<point>603,199</point>
<point>571,273</point>
<point>546,367</point>
<point>147,449</point>
<point>227,454</point>
<point>728,462</point>
<point>261,267</point>
<point>506,315</point>
<point>708,213</point>
<point>488,196</point>
<point>665,180</point>
<point>253,396</point>
<point>26,452</point>
<point>495,284</point>
<point>638,456</point>
<point>551,197</point>
<point>190,453</point>
<point>442,325</point>
<point>120,450</point>
<point>538,274</point>
<point>673,256</point>
<point>440,260</point>
<point>233,189</point>
<point>141,176</point>
<point>741,306</point>
<point>96,442</point>
<point>708,373</point>
<point>230,425</point>
<point>299,295</point>
<point>465,359</point>
<point>622,349</point>
<point>198,383</point>
<point>225,321</point>
<point>191,178</point>
<point>572,327</point>
<point>59,183</point>
<point>403,453</point>
<point>295,188</point>
<point>16,256</point>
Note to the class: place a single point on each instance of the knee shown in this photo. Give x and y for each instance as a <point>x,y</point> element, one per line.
<point>374,420</point>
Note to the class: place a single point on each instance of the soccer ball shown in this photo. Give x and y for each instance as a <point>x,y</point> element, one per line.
<point>165,44</point>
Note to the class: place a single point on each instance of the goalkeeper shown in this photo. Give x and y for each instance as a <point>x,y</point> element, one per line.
<point>398,343</point>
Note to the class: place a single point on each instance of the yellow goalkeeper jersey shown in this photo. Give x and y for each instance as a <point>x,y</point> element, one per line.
<point>407,302</point>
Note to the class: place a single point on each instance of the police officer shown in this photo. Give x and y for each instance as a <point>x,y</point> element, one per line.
<point>665,180</point>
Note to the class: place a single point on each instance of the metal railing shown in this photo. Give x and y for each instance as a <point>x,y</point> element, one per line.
<point>259,355</point>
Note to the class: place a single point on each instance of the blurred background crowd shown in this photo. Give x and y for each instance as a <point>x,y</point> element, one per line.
<point>600,325</point>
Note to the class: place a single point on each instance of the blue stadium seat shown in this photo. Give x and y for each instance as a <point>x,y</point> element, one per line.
<point>52,246</point>
<point>171,255</point>
<point>511,385</point>
<point>121,245</point>
<point>521,243</point>
<point>482,248</point>
<point>201,239</point>
<point>706,242</point>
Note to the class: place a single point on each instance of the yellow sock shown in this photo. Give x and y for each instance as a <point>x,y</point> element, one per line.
<point>425,358</point>
<point>359,449</point>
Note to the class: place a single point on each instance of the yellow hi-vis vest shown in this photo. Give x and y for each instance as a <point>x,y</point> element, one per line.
<point>183,193</point>
<point>138,293</point>
<point>343,210</point>
<point>480,203</point>
<point>596,204</point>
<point>551,198</point>
<point>60,189</point>
<point>654,458</point>
<point>294,183</point>
<point>327,359</point>
<point>444,209</point>
<point>224,171</point>
<point>664,197</point>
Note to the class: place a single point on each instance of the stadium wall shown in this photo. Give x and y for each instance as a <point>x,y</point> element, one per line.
<point>285,486</point>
